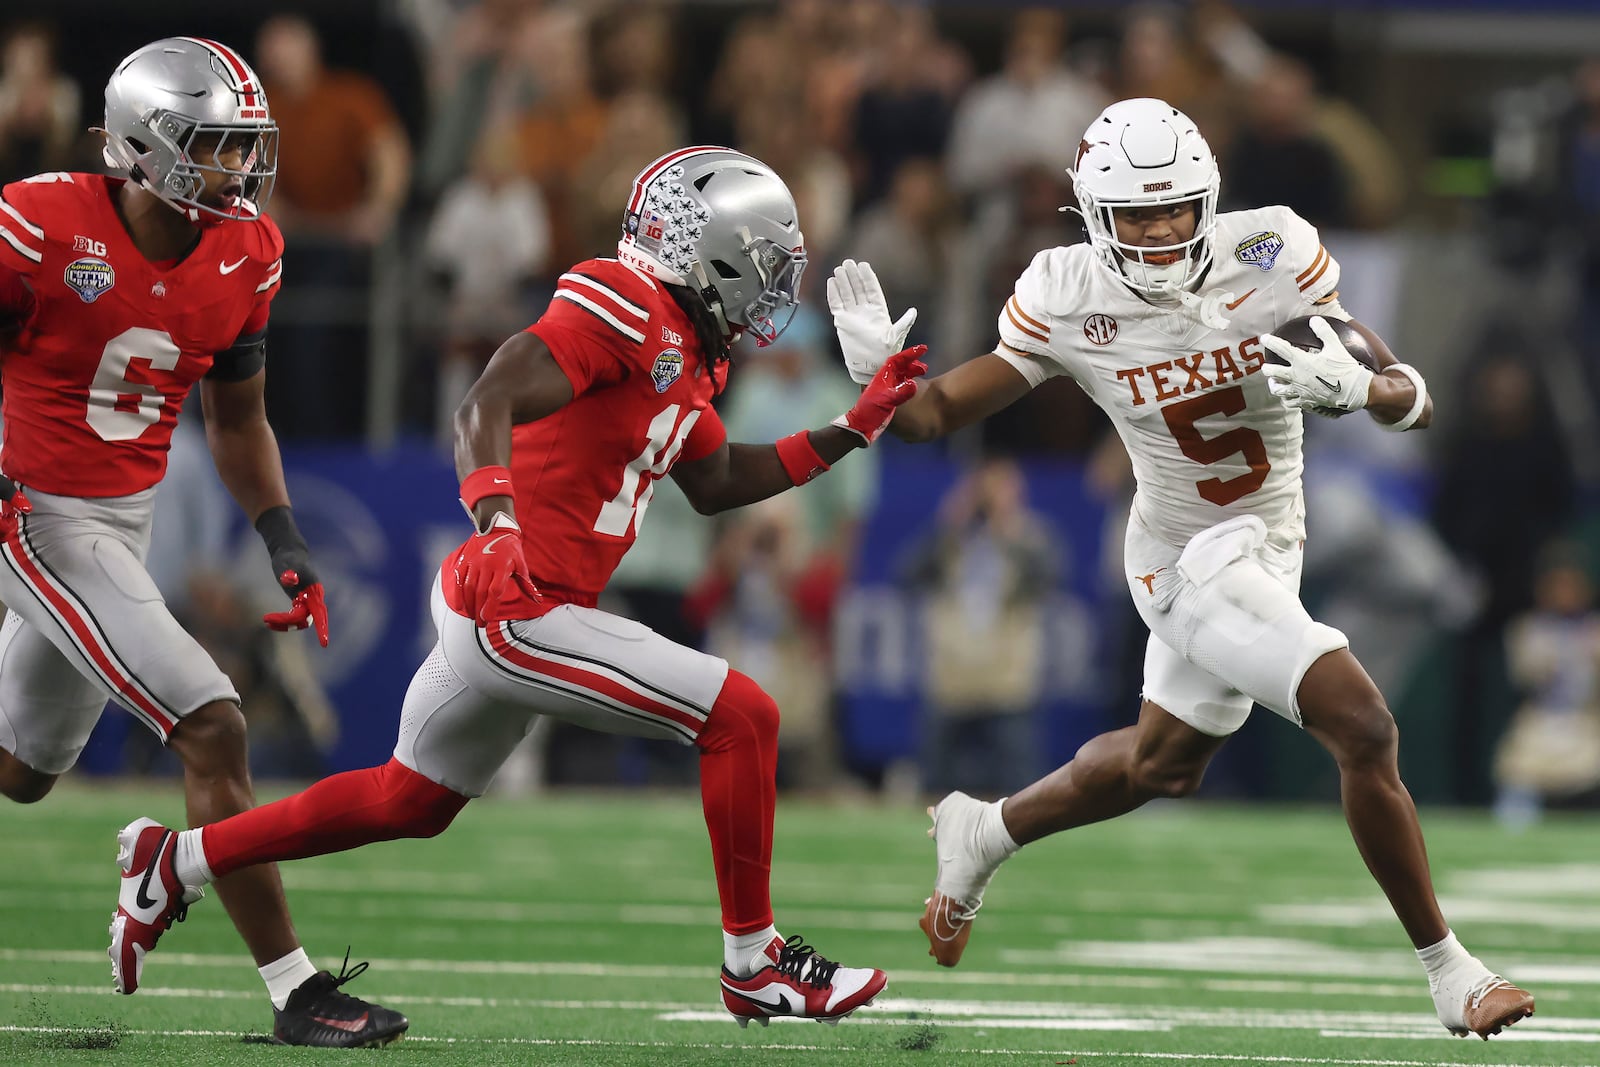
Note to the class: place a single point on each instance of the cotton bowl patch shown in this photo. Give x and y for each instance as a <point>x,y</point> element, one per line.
<point>90,278</point>
<point>668,368</point>
<point>1259,249</point>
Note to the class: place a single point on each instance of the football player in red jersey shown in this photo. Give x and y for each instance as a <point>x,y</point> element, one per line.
<point>564,436</point>
<point>117,294</point>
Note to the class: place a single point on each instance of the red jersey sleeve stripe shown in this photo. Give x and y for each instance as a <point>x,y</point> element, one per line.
<point>606,291</point>
<point>24,223</point>
<point>594,308</point>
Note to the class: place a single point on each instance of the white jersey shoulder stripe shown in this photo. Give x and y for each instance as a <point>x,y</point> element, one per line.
<point>605,291</point>
<point>272,277</point>
<point>601,313</point>
<point>12,240</point>
<point>24,223</point>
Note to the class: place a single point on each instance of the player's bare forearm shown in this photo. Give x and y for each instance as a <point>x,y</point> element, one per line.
<point>1390,398</point>
<point>522,383</point>
<point>243,446</point>
<point>960,397</point>
<point>736,475</point>
<point>1391,394</point>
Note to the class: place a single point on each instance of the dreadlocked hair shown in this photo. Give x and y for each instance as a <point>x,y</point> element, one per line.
<point>707,330</point>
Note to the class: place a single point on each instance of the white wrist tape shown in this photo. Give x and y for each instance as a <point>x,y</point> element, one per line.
<point>1409,419</point>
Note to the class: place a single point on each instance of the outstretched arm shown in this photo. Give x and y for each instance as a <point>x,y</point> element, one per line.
<point>735,475</point>
<point>968,394</point>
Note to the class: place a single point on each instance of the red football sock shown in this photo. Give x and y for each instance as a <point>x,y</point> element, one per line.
<point>342,812</point>
<point>739,790</point>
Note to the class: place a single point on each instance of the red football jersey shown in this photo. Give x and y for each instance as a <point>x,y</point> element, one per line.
<point>94,382</point>
<point>641,403</point>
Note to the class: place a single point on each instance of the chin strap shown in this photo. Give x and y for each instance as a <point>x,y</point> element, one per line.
<point>1208,307</point>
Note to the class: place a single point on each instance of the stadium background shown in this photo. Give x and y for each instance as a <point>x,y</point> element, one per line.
<point>1449,151</point>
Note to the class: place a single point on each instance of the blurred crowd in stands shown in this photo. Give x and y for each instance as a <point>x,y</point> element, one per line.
<point>436,179</point>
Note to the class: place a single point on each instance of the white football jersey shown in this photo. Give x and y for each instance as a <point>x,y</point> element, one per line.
<point>1208,440</point>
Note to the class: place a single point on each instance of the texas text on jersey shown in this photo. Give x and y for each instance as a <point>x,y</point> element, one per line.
<point>95,380</point>
<point>641,402</point>
<point>1207,439</point>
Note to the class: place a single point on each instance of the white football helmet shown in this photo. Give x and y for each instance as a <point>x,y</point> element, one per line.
<point>166,96</point>
<point>1140,153</point>
<point>725,224</point>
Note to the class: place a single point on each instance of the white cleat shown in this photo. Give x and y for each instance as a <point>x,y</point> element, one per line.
<point>1471,999</point>
<point>959,881</point>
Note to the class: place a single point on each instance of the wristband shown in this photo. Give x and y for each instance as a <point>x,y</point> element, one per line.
<point>485,481</point>
<point>1409,419</point>
<point>799,458</point>
<point>277,528</point>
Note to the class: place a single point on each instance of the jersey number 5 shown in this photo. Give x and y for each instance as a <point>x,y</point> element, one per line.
<point>666,437</point>
<point>1241,440</point>
<point>121,410</point>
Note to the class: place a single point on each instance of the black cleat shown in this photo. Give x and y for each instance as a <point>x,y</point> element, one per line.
<point>321,1016</point>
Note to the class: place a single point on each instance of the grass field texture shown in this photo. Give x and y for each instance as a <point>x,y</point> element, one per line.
<point>583,930</point>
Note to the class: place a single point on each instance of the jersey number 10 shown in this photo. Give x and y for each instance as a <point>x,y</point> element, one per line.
<point>666,438</point>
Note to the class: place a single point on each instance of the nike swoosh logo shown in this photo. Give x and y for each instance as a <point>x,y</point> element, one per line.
<point>778,1005</point>
<point>229,268</point>
<point>143,899</point>
<point>1239,301</point>
<point>1332,387</point>
<point>498,481</point>
<point>488,549</point>
<point>353,1026</point>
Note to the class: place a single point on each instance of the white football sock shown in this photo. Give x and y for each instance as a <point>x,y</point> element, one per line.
<point>1440,957</point>
<point>739,951</point>
<point>189,859</point>
<point>992,838</point>
<point>286,974</point>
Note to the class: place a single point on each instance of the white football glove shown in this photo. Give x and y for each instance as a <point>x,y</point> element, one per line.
<point>861,319</point>
<point>1328,378</point>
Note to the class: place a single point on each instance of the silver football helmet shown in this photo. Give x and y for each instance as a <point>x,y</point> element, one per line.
<point>180,93</point>
<point>1146,153</point>
<point>725,224</point>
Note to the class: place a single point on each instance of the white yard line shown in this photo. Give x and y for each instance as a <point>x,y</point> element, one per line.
<point>1164,1057</point>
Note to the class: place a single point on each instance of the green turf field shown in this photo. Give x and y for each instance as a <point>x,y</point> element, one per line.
<point>582,930</point>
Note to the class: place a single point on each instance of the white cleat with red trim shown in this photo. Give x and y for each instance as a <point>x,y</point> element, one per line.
<point>149,901</point>
<point>799,984</point>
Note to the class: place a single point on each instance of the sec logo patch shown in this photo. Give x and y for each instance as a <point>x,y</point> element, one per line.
<point>667,369</point>
<point>1100,329</point>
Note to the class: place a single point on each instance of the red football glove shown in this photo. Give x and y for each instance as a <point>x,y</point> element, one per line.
<point>895,383</point>
<point>13,505</point>
<point>308,607</point>
<point>487,564</point>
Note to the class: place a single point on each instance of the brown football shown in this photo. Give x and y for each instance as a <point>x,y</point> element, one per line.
<point>1298,333</point>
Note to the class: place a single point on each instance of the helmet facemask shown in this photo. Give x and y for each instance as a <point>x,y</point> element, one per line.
<point>769,314</point>
<point>1155,269</point>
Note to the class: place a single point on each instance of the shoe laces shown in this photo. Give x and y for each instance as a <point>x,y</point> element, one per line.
<point>794,956</point>
<point>332,982</point>
<point>1484,986</point>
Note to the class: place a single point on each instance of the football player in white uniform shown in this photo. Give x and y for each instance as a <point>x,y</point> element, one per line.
<point>1165,318</point>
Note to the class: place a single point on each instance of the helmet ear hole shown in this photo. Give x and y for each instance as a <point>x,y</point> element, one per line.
<point>139,146</point>
<point>725,270</point>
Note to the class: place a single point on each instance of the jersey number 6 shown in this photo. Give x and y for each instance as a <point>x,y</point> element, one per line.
<point>1241,440</point>
<point>119,409</point>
